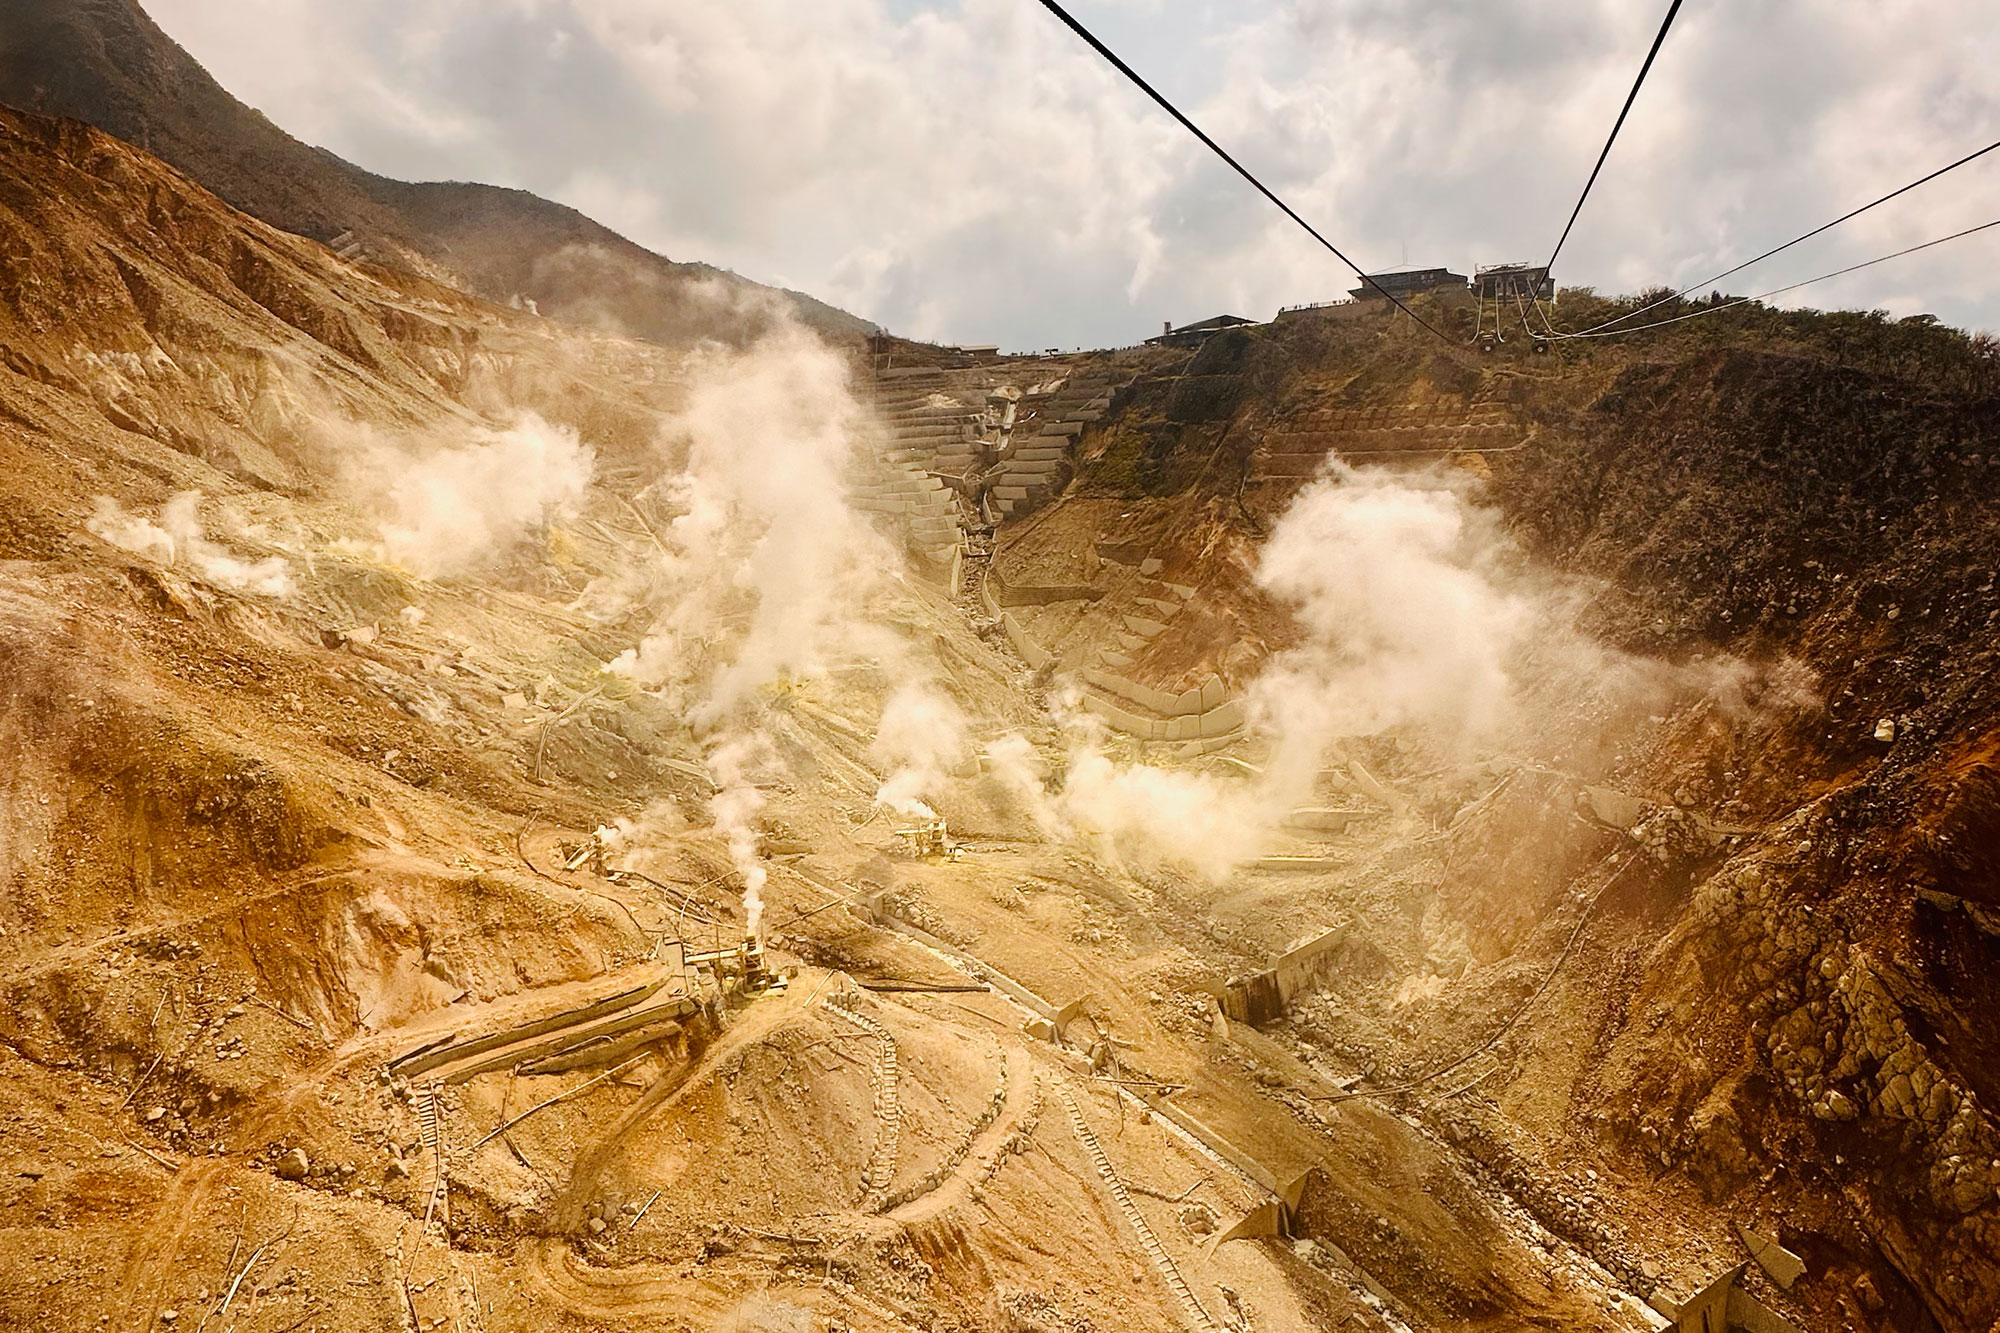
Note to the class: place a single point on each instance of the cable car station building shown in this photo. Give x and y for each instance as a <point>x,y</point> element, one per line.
<point>1407,283</point>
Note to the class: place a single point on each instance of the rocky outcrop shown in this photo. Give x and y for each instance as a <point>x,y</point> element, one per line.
<point>1863,1070</point>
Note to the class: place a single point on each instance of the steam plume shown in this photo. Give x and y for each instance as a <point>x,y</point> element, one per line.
<point>1414,618</point>
<point>178,539</point>
<point>767,566</point>
<point>456,508</point>
<point>922,734</point>
<point>767,572</point>
<point>734,808</point>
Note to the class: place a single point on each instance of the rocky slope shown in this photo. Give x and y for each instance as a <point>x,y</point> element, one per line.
<point>105,62</point>
<point>1786,1011</point>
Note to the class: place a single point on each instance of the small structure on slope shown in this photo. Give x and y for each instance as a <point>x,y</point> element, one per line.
<point>1408,282</point>
<point>1197,333</point>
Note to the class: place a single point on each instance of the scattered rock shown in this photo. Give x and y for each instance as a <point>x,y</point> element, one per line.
<point>294,1165</point>
<point>1197,1219</point>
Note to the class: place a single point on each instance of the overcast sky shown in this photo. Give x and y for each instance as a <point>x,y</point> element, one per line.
<point>966,170</point>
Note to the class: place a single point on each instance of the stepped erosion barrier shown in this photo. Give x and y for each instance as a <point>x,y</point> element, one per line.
<point>1200,713</point>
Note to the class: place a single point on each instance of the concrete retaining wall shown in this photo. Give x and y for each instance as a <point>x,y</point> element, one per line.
<point>1217,721</point>
<point>1031,652</point>
<point>1197,714</point>
<point>1032,594</point>
<point>1204,697</point>
<point>1263,996</point>
<point>1215,1143</point>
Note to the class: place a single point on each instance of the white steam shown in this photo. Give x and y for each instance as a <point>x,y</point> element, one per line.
<point>656,824</point>
<point>767,573</point>
<point>1404,624</point>
<point>178,539</point>
<point>734,808</point>
<point>1413,619</point>
<point>921,737</point>
<point>767,570</point>
<point>456,508</point>
<point>1147,815</point>
<point>1011,761</point>
<point>1405,621</point>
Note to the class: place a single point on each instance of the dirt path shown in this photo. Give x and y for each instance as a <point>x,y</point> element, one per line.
<point>987,1146</point>
<point>556,1273</point>
<point>153,1264</point>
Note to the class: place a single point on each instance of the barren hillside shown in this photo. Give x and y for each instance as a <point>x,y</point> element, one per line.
<point>1776,1002</point>
<point>511,827</point>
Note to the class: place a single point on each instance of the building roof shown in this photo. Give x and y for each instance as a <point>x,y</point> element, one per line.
<point>1201,326</point>
<point>1408,280</point>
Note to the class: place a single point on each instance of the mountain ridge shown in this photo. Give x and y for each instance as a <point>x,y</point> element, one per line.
<point>105,62</point>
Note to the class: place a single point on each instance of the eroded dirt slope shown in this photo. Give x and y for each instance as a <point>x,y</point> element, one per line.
<point>316,975</point>
<point>1768,1011</point>
<point>284,811</point>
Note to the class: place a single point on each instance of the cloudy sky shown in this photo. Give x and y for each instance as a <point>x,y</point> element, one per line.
<point>965,170</point>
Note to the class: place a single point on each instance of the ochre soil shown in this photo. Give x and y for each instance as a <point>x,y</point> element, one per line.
<point>251,856</point>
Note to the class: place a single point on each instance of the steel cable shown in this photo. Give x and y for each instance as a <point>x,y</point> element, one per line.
<point>1111,57</point>
<point>1921,180</point>
<point>1617,125</point>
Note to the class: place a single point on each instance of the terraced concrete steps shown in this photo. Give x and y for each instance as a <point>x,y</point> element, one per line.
<point>1170,1272</point>
<point>1438,426</point>
<point>918,436</point>
<point>884,1077</point>
<point>1048,428</point>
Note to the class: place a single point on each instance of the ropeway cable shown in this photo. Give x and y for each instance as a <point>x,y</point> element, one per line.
<point>1921,180</point>
<point>1645,68</point>
<point>1617,125</point>
<point>1112,58</point>
<point>1601,332</point>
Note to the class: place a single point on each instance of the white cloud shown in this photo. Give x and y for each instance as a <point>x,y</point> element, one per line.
<point>966,170</point>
